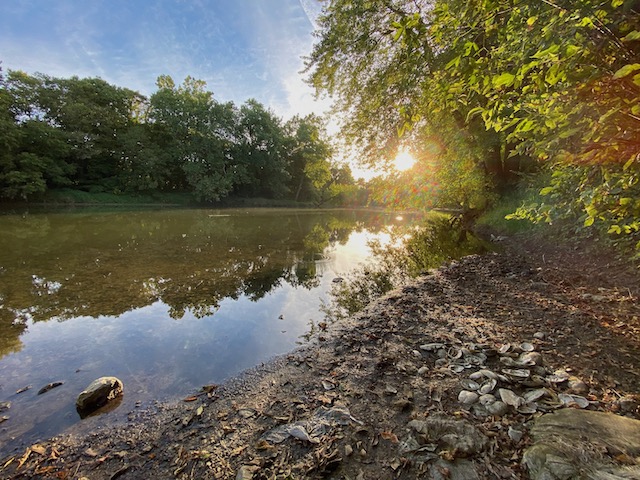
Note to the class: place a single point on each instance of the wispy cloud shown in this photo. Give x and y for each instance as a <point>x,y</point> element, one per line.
<point>241,48</point>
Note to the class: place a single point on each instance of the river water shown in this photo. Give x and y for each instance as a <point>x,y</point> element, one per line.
<point>165,300</point>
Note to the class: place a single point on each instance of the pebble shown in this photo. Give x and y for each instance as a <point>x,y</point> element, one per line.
<point>467,398</point>
<point>423,370</point>
<point>628,403</point>
<point>497,408</point>
<point>539,335</point>
<point>487,399</point>
<point>576,385</point>
<point>515,435</point>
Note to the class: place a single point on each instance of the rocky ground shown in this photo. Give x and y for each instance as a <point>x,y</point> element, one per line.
<point>440,379</point>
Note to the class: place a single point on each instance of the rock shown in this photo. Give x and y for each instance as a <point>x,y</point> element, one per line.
<point>628,403</point>
<point>572,443</point>
<point>97,394</point>
<point>246,472</point>
<point>515,435</point>
<point>510,398</point>
<point>449,434</point>
<point>487,399</point>
<point>539,335</point>
<point>530,359</point>
<point>460,469</point>
<point>576,385</point>
<point>467,398</point>
<point>49,386</point>
<point>573,400</point>
<point>497,408</point>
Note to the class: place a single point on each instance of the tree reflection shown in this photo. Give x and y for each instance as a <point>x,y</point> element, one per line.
<point>61,266</point>
<point>428,246</point>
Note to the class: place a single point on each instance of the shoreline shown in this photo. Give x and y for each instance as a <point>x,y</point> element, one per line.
<point>372,377</point>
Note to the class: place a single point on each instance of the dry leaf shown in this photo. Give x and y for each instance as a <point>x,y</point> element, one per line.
<point>39,449</point>
<point>192,398</point>
<point>24,458</point>
<point>392,437</point>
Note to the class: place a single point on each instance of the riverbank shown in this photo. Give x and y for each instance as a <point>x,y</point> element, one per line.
<point>357,401</point>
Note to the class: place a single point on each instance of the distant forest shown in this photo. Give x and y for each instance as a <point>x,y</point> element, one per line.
<point>85,134</point>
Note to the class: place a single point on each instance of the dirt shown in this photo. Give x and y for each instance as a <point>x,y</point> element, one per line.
<point>356,401</point>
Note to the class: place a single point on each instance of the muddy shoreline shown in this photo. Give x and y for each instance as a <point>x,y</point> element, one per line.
<point>352,403</point>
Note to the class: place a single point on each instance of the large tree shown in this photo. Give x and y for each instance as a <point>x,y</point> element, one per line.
<point>497,84</point>
<point>200,135</point>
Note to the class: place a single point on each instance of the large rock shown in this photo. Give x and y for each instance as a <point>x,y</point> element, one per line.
<point>97,394</point>
<point>582,444</point>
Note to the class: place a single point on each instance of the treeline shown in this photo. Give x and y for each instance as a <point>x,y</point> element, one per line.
<point>490,92</point>
<point>85,134</point>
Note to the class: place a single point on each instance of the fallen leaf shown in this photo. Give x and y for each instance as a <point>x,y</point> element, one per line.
<point>392,437</point>
<point>237,451</point>
<point>192,398</point>
<point>24,458</point>
<point>39,449</point>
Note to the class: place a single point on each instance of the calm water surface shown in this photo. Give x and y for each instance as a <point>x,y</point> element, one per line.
<point>165,300</point>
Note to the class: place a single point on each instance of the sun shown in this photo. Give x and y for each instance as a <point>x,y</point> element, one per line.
<point>403,161</point>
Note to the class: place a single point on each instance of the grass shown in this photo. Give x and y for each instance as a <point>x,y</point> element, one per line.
<point>80,197</point>
<point>495,217</point>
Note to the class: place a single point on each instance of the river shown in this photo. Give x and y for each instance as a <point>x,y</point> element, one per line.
<point>166,300</point>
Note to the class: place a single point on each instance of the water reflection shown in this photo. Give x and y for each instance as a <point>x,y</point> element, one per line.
<point>165,300</point>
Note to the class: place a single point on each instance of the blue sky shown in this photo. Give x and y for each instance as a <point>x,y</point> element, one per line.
<point>242,48</point>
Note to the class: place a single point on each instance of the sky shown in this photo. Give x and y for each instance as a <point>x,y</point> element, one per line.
<point>242,48</point>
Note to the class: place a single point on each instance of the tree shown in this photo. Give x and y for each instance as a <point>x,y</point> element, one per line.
<point>499,84</point>
<point>309,156</point>
<point>201,137</point>
<point>34,152</point>
<point>262,152</point>
<point>377,60</point>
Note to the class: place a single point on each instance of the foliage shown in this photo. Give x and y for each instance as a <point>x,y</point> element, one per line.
<point>499,85</point>
<point>86,134</point>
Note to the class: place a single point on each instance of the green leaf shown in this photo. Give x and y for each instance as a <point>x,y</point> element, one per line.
<point>506,79</point>
<point>586,22</point>
<point>547,52</point>
<point>589,221</point>
<point>628,163</point>
<point>531,21</point>
<point>630,37</point>
<point>627,70</point>
<point>572,50</point>
<point>546,190</point>
<point>614,229</point>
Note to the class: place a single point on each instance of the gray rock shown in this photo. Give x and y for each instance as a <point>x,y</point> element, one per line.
<point>460,469</point>
<point>97,394</point>
<point>451,434</point>
<point>576,385</point>
<point>572,444</point>
<point>497,408</point>
<point>467,398</point>
<point>515,434</point>
<point>246,472</point>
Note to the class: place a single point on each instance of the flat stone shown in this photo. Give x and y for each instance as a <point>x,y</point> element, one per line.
<point>451,434</point>
<point>571,443</point>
